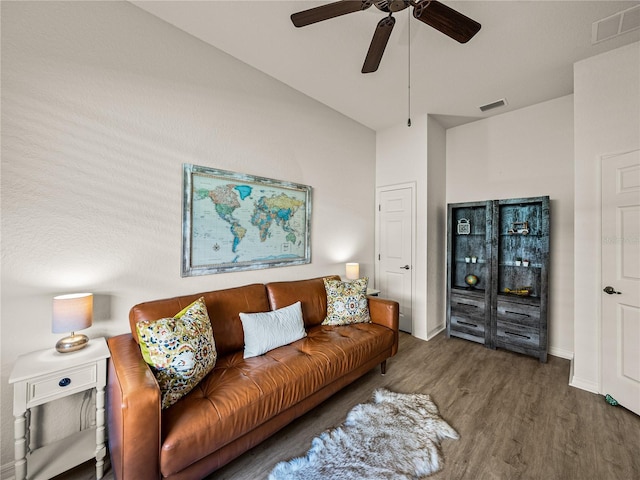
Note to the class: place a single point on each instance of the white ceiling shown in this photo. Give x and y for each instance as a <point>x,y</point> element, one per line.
<point>524,52</point>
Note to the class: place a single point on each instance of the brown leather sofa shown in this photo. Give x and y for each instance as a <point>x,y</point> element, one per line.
<point>241,402</point>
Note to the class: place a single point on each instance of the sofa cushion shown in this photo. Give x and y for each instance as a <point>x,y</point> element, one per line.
<point>268,330</point>
<point>241,394</point>
<point>310,293</point>
<point>346,302</point>
<point>180,350</point>
<point>224,308</point>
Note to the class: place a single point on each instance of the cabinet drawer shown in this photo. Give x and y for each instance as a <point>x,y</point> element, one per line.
<point>468,325</point>
<point>46,388</point>
<point>518,313</point>
<point>519,335</point>
<point>467,306</point>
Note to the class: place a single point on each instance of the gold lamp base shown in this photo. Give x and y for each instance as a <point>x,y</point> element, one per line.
<point>72,343</point>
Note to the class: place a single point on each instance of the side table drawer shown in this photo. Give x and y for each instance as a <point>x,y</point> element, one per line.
<point>46,388</point>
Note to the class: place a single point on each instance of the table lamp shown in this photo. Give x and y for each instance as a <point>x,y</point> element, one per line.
<point>71,313</point>
<point>353,271</point>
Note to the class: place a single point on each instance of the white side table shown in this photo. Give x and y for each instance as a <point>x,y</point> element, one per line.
<point>48,375</point>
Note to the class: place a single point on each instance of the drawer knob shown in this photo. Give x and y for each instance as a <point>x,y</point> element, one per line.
<point>64,382</point>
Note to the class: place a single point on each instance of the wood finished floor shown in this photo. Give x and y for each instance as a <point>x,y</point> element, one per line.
<point>517,418</point>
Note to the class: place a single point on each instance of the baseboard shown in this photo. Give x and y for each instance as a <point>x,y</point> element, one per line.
<point>436,331</point>
<point>8,471</point>
<point>583,384</point>
<point>562,353</point>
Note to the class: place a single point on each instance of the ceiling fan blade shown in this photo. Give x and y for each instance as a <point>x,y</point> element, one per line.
<point>446,20</point>
<point>331,10</point>
<point>378,44</point>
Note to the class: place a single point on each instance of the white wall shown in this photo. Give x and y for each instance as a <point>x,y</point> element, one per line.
<point>401,157</point>
<point>102,103</point>
<point>416,155</point>
<point>525,153</point>
<point>607,121</point>
<point>436,224</point>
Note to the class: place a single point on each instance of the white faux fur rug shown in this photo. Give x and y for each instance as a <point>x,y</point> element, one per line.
<point>396,437</point>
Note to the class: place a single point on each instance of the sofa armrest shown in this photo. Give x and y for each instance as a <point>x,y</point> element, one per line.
<point>134,418</point>
<point>386,313</point>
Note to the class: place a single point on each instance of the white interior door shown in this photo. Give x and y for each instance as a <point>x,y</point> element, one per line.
<point>621,279</point>
<point>395,249</point>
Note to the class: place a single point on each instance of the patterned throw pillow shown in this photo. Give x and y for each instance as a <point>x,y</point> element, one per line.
<point>346,302</point>
<point>180,350</point>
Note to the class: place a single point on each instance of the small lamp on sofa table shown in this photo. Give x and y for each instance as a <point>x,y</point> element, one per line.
<point>353,271</point>
<point>72,313</point>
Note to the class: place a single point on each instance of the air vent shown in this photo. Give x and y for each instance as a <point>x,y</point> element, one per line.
<point>490,106</point>
<point>617,24</point>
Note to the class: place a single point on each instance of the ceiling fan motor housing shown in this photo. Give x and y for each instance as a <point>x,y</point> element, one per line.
<point>391,6</point>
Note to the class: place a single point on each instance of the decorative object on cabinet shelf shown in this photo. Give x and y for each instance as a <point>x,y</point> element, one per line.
<point>464,227</point>
<point>525,262</point>
<point>71,313</point>
<point>519,228</point>
<point>520,291</point>
<point>471,280</point>
<point>353,271</point>
<point>467,259</point>
<point>518,261</point>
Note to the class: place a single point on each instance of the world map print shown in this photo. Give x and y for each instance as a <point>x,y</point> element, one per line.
<point>242,222</point>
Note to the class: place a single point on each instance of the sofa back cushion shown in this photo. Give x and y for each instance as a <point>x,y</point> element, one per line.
<point>224,308</point>
<point>311,293</point>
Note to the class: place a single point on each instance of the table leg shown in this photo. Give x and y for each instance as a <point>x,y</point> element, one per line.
<point>100,433</point>
<point>20,445</point>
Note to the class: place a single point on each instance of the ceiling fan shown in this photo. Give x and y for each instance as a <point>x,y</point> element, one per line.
<point>444,19</point>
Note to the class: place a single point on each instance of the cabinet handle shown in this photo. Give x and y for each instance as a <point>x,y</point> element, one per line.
<point>517,335</point>
<point>517,313</point>
<point>467,304</point>
<point>64,382</point>
<point>468,324</point>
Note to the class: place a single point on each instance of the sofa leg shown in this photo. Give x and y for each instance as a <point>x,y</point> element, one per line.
<point>383,367</point>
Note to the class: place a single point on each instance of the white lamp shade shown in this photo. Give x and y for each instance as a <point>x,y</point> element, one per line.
<point>353,271</point>
<point>72,312</point>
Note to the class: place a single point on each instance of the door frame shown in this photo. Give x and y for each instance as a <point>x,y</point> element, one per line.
<point>414,213</point>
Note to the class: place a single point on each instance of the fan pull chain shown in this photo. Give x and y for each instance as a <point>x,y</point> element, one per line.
<point>409,70</point>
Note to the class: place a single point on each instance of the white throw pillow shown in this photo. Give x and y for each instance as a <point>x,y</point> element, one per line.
<point>265,331</point>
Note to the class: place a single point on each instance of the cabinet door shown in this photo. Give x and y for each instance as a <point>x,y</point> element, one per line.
<point>522,246</point>
<point>469,257</point>
<point>520,275</point>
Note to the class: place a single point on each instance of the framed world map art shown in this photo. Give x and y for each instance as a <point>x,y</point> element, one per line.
<point>233,221</point>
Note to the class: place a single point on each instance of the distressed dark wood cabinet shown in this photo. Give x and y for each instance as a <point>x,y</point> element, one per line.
<point>497,273</point>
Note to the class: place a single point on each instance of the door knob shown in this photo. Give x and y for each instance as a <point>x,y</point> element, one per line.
<point>610,290</point>
<point>406,267</point>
